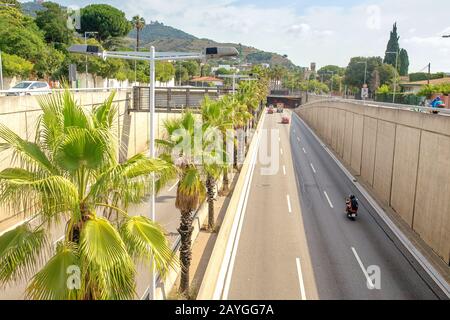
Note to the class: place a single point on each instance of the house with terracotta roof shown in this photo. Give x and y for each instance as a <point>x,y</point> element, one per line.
<point>206,81</point>
<point>414,87</point>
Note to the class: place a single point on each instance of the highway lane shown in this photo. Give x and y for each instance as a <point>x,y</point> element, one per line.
<point>334,252</point>
<point>272,260</point>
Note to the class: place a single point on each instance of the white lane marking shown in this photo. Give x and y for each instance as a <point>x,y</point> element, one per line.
<point>289,203</point>
<point>281,150</point>
<point>226,271</point>
<point>171,188</point>
<point>313,169</point>
<point>298,138</point>
<point>328,198</point>
<point>304,151</point>
<point>300,279</point>
<point>284,170</point>
<point>369,281</point>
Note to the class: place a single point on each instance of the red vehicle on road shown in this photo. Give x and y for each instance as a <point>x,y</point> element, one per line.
<point>270,111</point>
<point>285,120</point>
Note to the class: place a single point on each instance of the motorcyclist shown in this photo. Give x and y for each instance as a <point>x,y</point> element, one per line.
<point>437,103</point>
<point>352,205</point>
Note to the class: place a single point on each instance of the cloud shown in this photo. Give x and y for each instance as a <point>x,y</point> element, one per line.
<point>326,34</point>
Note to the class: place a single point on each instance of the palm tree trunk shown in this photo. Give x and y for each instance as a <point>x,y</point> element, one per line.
<point>210,184</point>
<point>137,39</point>
<point>185,231</point>
<point>225,183</point>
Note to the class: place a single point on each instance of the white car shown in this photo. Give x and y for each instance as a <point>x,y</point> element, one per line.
<point>29,88</point>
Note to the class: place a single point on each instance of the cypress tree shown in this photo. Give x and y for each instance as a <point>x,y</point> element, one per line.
<point>404,62</point>
<point>392,46</point>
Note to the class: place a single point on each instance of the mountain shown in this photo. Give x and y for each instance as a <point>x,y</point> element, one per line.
<point>30,8</point>
<point>166,38</point>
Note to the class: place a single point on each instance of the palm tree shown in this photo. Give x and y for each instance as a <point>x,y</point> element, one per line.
<point>214,116</point>
<point>70,173</point>
<point>179,134</point>
<point>139,24</point>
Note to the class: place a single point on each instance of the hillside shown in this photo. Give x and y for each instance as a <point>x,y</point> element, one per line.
<point>166,38</point>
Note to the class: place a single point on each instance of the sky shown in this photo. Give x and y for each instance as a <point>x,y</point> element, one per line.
<point>321,31</point>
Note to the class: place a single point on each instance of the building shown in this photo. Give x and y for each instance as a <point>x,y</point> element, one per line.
<point>206,81</point>
<point>414,87</point>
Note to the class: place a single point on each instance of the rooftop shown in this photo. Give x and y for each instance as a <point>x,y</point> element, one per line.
<point>424,82</point>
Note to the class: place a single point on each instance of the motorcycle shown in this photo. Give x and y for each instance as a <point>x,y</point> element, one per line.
<point>351,212</point>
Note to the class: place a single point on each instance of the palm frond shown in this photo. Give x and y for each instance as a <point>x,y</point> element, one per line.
<point>20,252</point>
<point>29,153</point>
<point>108,266</point>
<point>145,240</point>
<point>191,190</point>
<point>60,278</point>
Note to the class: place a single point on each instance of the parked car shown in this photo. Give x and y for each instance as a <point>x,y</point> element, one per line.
<point>285,120</point>
<point>280,109</point>
<point>29,88</point>
<point>270,111</point>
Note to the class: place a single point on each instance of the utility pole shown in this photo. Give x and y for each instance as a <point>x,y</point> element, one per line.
<point>429,73</point>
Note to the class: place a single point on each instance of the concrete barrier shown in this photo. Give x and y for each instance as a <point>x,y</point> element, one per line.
<point>403,156</point>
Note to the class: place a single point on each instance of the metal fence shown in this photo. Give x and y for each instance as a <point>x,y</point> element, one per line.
<point>173,99</point>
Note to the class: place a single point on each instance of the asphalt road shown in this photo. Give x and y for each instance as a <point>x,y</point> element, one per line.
<point>296,242</point>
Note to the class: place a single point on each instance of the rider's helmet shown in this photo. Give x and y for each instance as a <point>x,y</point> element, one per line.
<point>352,197</point>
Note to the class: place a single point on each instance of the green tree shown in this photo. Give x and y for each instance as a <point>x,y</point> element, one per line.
<point>404,62</point>
<point>53,22</point>
<point>387,73</point>
<point>181,73</point>
<point>354,73</point>
<point>50,67</point>
<point>20,36</point>
<point>392,46</point>
<point>138,23</point>
<point>71,174</point>
<point>106,20</point>
<point>15,66</point>
<point>164,71</point>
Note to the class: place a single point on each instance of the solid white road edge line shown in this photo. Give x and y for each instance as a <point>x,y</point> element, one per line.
<point>369,281</point>
<point>226,266</point>
<point>300,279</point>
<point>328,198</point>
<point>420,258</point>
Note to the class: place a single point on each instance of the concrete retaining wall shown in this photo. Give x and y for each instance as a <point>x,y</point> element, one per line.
<point>403,156</point>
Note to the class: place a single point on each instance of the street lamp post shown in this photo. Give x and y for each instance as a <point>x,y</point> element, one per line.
<point>396,70</point>
<point>86,33</point>
<point>152,56</point>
